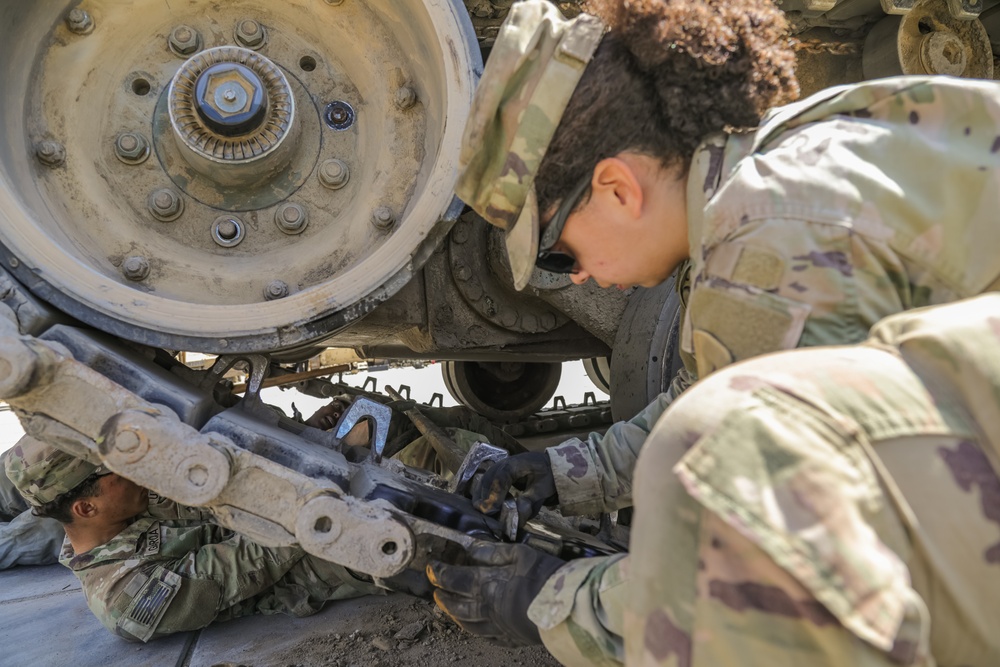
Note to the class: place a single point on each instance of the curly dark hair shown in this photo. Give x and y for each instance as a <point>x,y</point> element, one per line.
<point>669,73</point>
<point>60,509</point>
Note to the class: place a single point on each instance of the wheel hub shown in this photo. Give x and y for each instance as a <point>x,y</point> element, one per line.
<point>224,148</point>
<point>232,113</point>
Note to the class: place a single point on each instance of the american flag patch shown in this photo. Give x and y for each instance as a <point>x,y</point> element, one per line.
<point>147,604</point>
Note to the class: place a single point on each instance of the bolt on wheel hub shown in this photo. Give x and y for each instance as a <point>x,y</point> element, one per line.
<point>233,115</point>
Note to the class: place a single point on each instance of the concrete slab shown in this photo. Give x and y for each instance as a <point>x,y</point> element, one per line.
<point>44,620</point>
<point>35,581</point>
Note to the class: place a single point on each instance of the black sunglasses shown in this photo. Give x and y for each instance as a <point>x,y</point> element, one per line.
<point>555,261</point>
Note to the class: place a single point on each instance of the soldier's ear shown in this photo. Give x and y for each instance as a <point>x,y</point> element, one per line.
<point>83,508</point>
<point>616,180</point>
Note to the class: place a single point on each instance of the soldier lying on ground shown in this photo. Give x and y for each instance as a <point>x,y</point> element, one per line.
<point>150,567</point>
<point>832,506</point>
<point>618,154</point>
<point>25,539</point>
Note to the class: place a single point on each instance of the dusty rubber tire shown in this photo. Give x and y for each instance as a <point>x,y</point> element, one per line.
<point>646,353</point>
<point>599,371</point>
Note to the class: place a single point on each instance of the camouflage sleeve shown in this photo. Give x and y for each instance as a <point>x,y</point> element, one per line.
<point>216,576</point>
<point>579,612</point>
<point>595,475</point>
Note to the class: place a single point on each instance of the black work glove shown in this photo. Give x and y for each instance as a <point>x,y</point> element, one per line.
<point>530,472</point>
<point>491,596</point>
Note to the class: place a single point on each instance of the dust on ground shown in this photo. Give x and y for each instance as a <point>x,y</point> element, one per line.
<point>399,632</point>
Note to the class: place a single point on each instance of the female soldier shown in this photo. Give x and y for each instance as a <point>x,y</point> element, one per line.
<point>610,147</point>
<point>617,155</point>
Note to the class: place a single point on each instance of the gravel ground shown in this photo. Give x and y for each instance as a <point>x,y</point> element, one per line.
<point>401,632</point>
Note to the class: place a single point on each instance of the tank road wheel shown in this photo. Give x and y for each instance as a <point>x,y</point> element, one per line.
<point>929,39</point>
<point>599,371</point>
<point>500,390</point>
<point>646,355</point>
<point>242,176</point>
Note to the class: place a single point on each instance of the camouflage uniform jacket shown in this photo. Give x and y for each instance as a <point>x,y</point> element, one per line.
<point>173,570</point>
<point>854,204</point>
<point>831,506</point>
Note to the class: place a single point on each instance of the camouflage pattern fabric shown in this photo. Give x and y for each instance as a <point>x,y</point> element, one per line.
<point>174,570</point>
<point>533,68</point>
<point>25,539</point>
<point>854,204</point>
<point>41,473</point>
<point>831,506</point>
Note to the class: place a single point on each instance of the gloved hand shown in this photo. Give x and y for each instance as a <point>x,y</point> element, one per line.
<point>530,472</point>
<point>491,596</point>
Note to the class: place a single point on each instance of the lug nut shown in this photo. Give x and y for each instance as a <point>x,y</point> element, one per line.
<point>135,267</point>
<point>276,289</point>
<point>50,153</point>
<point>165,204</point>
<point>249,33</point>
<point>227,231</point>
<point>80,21</point>
<point>383,218</point>
<point>291,218</point>
<point>334,174</point>
<point>131,148</point>
<point>184,40</point>
<point>406,97</point>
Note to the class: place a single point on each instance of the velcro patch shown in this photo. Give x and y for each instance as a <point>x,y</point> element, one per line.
<point>149,603</point>
<point>745,264</point>
<point>759,267</point>
<point>746,322</point>
<point>710,355</point>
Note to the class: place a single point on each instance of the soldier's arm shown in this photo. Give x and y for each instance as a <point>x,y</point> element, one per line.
<point>595,475</point>
<point>163,597</point>
<point>579,612</point>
